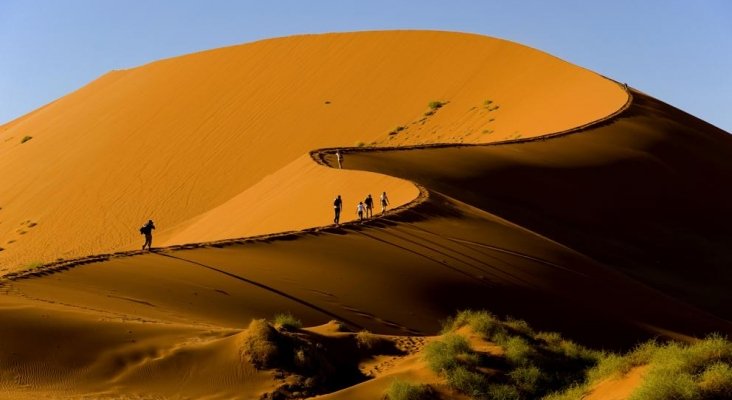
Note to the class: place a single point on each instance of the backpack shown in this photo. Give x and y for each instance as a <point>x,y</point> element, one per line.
<point>142,230</point>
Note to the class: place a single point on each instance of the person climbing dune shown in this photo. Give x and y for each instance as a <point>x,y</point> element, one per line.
<point>359,210</point>
<point>339,157</point>
<point>369,206</point>
<point>147,231</point>
<point>384,202</point>
<point>337,204</point>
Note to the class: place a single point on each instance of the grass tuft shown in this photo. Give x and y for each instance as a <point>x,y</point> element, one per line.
<point>402,390</point>
<point>286,321</point>
<point>435,105</point>
<point>259,344</point>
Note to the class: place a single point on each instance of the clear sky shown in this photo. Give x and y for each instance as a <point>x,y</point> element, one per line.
<point>677,51</point>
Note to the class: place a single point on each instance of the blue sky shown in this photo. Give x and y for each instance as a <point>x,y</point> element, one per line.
<point>677,51</point>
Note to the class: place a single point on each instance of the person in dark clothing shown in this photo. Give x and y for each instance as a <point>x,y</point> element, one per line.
<point>369,206</point>
<point>147,231</point>
<point>337,204</point>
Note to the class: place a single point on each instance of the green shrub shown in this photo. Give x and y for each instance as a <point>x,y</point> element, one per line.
<point>25,139</point>
<point>401,390</point>
<point>520,326</point>
<point>286,321</point>
<point>526,378</point>
<point>435,105</point>
<point>519,351</point>
<point>368,341</point>
<point>503,392</point>
<point>446,354</point>
<point>466,381</point>
<point>716,380</point>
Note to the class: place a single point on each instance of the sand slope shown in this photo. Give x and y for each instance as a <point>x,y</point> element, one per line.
<point>175,139</point>
<point>590,232</point>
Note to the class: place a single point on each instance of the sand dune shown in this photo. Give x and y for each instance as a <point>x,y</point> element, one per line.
<point>600,215</point>
<point>175,139</point>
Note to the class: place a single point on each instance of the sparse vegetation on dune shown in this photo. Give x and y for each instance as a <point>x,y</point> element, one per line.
<point>435,105</point>
<point>25,139</point>
<point>402,390</point>
<point>545,365</point>
<point>286,321</point>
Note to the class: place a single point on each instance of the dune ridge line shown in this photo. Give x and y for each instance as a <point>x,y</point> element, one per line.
<point>319,155</point>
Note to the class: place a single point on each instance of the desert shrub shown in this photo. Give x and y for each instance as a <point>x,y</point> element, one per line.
<point>366,340</point>
<point>259,345</point>
<point>360,144</point>
<point>574,392</point>
<point>518,351</point>
<point>487,103</point>
<point>286,321</point>
<point>481,322</point>
<point>526,378</point>
<point>717,380</point>
<point>402,390</point>
<point>434,105</point>
<point>520,326</point>
<point>469,382</point>
<point>503,392</point>
<point>25,139</point>
<point>446,354</point>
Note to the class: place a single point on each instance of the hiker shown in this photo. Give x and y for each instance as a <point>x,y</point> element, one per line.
<point>147,231</point>
<point>359,210</point>
<point>339,157</point>
<point>369,206</point>
<point>337,203</point>
<point>384,202</point>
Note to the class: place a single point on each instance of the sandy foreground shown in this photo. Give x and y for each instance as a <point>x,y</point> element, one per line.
<point>538,189</point>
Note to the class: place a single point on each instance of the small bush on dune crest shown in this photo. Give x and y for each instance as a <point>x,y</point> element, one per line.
<point>519,351</point>
<point>368,341</point>
<point>446,354</point>
<point>25,139</point>
<point>286,321</point>
<point>434,105</point>
<point>717,378</point>
<point>402,390</point>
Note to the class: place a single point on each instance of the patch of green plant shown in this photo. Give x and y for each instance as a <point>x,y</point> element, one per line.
<point>403,390</point>
<point>446,354</point>
<point>468,381</point>
<point>286,321</point>
<point>435,105</point>
<point>25,139</point>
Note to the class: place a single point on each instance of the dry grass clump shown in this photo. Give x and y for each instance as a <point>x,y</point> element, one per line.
<point>402,390</point>
<point>259,344</point>
<point>435,105</point>
<point>369,342</point>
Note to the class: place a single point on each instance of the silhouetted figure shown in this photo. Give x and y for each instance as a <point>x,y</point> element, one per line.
<point>384,202</point>
<point>337,204</point>
<point>359,210</point>
<point>339,157</point>
<point>369,206</point>
<point>147,231</point>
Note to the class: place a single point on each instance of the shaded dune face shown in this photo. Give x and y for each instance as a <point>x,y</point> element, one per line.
<point>214,145</point>
<point>644,192</point>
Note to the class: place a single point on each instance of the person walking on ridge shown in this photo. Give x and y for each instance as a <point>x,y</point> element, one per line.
<point>369,206</point>
<point>337,204</point>
<point>339,157</point>
<point>359,210</point>
<point>147,231</point>
<point>384,202</point>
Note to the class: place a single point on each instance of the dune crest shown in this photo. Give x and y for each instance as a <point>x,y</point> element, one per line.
<point>177,138</point>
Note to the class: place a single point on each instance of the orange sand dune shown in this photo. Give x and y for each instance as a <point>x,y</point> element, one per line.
<point>176,139</point>
<point>610,233</point>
